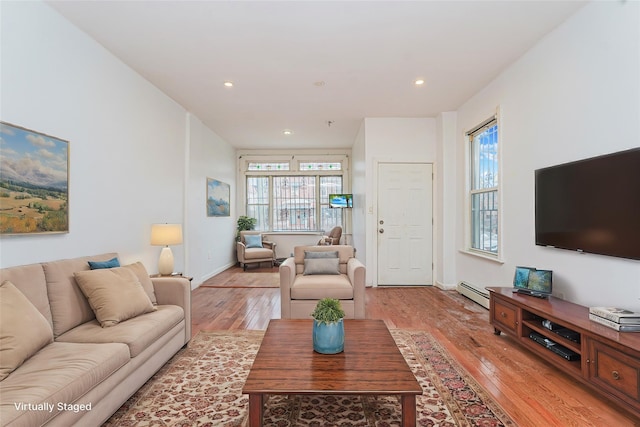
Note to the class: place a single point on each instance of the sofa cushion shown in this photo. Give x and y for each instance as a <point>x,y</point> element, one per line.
<point>60,372</point>
<point>137,333</point>
<point>23,329</point>
<point>257,253</point>
<point>97,265</point>
<point>309,287</point>
<point>69,306</point>
<point>115,294</point>
<point>30,280</point>
<point>315,266</point>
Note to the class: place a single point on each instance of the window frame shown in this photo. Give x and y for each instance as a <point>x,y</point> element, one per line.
<point>471,167</point>
<point>294,170</point>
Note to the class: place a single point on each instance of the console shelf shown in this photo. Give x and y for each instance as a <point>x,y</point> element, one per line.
<point>608,361</point>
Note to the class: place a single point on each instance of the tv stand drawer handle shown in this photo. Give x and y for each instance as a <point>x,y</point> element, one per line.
<point>615,375</point>
<point>503,314</point>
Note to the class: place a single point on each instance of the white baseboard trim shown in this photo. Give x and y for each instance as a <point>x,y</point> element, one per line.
<point>219,270</point>
<point>445,287</point>
<point>474,293</point>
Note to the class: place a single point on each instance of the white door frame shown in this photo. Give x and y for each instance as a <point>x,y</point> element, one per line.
<point>372,248</point>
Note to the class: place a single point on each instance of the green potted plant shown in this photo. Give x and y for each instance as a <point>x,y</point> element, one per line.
<point>245,223</point>
<point>328,326</point>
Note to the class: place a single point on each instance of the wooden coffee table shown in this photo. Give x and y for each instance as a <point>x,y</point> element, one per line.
<point>371,364</point>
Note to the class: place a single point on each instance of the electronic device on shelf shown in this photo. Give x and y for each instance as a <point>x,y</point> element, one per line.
<point>554,347</point>
<point>533,282</point>
<point>569,334</point>
<point>561,330</point>
<point>548,324</point>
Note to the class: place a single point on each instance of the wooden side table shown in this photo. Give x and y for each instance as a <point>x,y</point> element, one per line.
<point>189,278</point>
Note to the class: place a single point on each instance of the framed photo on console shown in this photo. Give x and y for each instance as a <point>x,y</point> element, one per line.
<point>521,277</point>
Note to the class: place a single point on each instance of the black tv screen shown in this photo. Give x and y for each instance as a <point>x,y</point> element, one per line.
<point>591,205</point>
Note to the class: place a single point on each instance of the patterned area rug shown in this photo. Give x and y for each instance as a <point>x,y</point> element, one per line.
<point>201,386</point>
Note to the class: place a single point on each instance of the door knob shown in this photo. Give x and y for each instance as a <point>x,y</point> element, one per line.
<point>381,231</point>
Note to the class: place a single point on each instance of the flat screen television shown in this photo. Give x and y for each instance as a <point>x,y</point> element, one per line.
<point>591,205</point>
<point>341,200</point>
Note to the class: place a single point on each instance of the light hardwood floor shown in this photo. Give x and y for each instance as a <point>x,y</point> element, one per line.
<point>532,392</point>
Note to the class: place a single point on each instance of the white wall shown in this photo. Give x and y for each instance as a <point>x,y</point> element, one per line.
<point>211,240</point>
<point>445,201</point>
<point>576,94</point>
<point>359,188</point>
<point>134,159</point>
<point>394,140</point>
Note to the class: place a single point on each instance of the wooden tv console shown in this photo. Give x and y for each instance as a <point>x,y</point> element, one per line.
<point>609,361</point>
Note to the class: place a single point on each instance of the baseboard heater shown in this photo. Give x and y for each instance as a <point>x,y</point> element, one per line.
<point>474,293</point>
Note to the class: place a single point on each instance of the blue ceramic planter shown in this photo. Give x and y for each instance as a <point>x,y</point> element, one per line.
<point>328,338</point>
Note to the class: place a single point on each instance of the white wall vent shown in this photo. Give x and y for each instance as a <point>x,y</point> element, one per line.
<point>475,293</point>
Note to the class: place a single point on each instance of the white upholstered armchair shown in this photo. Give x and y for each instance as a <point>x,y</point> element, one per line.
<point>307,277</point>
<point>252,248</point>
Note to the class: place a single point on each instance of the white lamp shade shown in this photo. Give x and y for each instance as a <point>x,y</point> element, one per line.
<point>166,234</point>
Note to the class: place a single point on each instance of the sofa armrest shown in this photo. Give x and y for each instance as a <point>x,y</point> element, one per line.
<point>174,290</point>
<point>356,273</point>
<point>287,276</point>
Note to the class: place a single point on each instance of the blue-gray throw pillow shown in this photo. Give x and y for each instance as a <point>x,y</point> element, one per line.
<point>253,240</point>
<point>97,265</point>
<point>320,254</point>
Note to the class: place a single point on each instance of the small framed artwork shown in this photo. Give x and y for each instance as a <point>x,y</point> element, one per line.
<point>521,277</point>
<point>218,198</point>
<point>34,182</point>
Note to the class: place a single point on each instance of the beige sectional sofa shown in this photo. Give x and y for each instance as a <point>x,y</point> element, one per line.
<point>303,284</point>
<point>77,372</point>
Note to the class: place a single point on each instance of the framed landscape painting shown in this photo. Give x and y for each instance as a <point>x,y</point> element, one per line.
<point>34,182</point>
<point>218,198</point>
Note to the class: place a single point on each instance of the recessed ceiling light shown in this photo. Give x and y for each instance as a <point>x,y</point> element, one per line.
<point>287,132</point>
<point>228,83</point>
<point>418,82</point>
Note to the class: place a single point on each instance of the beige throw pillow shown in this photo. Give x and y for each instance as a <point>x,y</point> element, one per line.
<point>114,294</point>
<point>23,329</point>
<point>144,279</point>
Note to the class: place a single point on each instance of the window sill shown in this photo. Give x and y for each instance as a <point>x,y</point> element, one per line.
<point>478,254</point>
<point>293,233</point>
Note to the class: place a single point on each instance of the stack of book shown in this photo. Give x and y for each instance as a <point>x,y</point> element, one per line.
<point>616,318</point>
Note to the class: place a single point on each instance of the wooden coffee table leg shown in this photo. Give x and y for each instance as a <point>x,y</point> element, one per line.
<point>255,410</point>
<point>409,410</point>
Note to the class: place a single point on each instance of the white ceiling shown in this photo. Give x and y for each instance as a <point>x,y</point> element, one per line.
<point>367,54</point>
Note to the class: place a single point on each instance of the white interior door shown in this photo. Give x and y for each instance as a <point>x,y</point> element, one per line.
<point>405,224</point>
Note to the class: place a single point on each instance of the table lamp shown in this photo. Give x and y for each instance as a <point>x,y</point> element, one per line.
<point>165,235</point>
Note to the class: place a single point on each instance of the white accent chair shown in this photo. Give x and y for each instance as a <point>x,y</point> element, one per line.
<point>250,255</point>
<point>301,292</point>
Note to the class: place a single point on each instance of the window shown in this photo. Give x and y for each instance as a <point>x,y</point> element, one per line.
<point>293,195</point>
<point>483,195</point>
